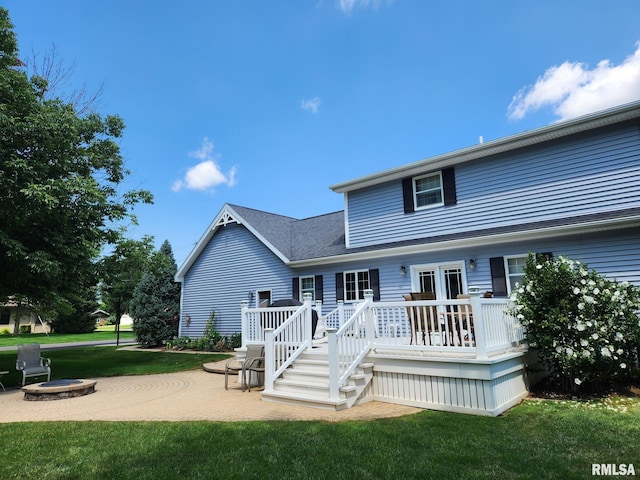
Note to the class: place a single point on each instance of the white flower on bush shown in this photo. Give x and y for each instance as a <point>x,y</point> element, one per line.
<point>604,310</point>
<point>623,365</point>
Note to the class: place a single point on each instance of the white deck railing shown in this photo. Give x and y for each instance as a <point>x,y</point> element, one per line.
<point>475,326</point>
<point>339,316</point>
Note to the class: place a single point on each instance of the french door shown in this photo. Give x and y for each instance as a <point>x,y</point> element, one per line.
<point>444,281</point>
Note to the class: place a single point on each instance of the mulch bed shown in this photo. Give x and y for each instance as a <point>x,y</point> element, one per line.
<point>551,389</point>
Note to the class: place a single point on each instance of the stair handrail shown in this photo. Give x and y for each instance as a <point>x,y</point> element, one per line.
<point>347,347</point>
<point>279,353</point>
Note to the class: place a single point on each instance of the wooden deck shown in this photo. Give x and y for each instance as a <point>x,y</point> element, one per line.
<point>472,359</point>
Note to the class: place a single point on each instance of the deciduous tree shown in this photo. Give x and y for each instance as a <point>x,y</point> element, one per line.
<point>61,173</point>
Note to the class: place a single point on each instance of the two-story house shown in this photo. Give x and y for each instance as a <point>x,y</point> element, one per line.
<point>435,226</point>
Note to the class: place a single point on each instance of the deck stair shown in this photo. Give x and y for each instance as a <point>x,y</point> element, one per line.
<point>306,383</point>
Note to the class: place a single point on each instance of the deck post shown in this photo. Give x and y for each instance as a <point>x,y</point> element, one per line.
<point>478,322</point>
<point>307,299</point>
<point>334,366</point>
<point>340,313</point>
<point>318,308</point>
<point>368,316</point>
<point>244,322</point>
<point>269,359</point>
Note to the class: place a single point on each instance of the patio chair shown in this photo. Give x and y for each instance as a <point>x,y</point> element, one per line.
<point>254,358</point>
<point>468,329</point>
<point>31,363</point>
<point>423,320</point>
<point>255,365</point>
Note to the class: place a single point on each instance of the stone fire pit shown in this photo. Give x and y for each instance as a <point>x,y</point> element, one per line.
<point>59,389</point>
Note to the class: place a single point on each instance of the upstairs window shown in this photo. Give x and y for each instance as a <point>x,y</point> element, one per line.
<point>427,190</point>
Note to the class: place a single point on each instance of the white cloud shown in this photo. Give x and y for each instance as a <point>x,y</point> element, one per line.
<point>311,105</point>
<point>347,6</point>
<point>571,89</point>
<point>207,174</point>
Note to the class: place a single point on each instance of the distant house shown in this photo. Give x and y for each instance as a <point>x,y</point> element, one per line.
<point>436,226</point>
<point>29,318</point>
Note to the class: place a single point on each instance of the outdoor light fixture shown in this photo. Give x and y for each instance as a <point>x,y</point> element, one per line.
<point>187,320</point>
<point>403,270</point>
<point>472,264</point>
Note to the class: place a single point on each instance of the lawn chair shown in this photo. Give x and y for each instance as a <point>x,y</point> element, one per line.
<point>31,363</point>
<point>254,359</point>
<point>423,320</point>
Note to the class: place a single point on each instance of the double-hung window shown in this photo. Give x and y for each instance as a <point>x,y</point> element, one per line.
<point>308,285</point>
<point>355,283</point>
<point>428,190</point>
<point>514,269</point>
<point>432,189</point>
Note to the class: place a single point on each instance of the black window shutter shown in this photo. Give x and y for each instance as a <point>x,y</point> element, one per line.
<point>374,283</point>
<point>449,186</point>
<point>295,288</point>
<point>541,257</point>
<point>407,195</point>
<point>498,277</point>
<point>339,286</point>
<point>319,288</point>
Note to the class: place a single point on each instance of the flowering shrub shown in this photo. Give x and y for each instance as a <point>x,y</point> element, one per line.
<point>585,326</point>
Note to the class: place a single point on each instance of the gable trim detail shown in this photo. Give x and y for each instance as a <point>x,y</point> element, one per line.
<point>226,216</point>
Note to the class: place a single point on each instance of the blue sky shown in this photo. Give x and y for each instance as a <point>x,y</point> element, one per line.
<point>266,104</point>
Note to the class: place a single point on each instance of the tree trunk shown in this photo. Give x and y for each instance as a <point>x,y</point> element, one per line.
<point>16,320</point>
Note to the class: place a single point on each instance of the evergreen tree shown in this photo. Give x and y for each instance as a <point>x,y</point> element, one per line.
<point>155,305</point>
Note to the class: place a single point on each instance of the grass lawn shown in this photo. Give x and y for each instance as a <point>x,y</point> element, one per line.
<point>42,338</point>
<point>537,439</point>
<point>93,362</point>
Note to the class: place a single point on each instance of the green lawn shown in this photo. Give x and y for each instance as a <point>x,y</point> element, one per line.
<point>93,362</point>
<point>42,338</point>
<point>535,440</point>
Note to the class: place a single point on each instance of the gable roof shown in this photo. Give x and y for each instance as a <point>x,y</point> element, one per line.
<point>629,111</point>
<point>321,239</point>
<point>290,239</point>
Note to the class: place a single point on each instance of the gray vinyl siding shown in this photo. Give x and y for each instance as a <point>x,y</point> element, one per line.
<point>233,263</point>
<point>584,175</point>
